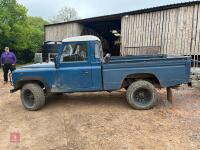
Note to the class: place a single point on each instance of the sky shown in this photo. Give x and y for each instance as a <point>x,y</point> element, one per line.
<point>89,8</point>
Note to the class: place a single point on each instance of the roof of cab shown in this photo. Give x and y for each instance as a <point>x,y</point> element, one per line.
<point>81,38</point>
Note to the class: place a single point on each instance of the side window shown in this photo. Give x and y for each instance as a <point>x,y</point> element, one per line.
<point>74,52</point>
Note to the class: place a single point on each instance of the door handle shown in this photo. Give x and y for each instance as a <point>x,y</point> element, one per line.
<point>85,73</point>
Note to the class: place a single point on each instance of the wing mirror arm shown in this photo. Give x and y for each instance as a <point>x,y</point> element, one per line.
<point>106,59</point>
<point>56,62</point>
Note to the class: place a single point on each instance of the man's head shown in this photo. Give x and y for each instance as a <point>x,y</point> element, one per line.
<point>7,49</point>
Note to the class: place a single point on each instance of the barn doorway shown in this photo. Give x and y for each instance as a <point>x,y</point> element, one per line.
<point>108,30</point>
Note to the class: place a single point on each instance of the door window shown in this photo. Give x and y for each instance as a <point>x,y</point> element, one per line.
<point>74,52</point>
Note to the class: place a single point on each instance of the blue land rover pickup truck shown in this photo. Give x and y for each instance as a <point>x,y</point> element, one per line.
<point>81,67</point>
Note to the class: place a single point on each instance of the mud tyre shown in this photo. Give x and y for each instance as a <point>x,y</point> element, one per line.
<point>141,95</point>
<point>32,97</point>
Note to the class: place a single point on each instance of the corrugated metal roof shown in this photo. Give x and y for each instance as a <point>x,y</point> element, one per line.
<point>118,16</point>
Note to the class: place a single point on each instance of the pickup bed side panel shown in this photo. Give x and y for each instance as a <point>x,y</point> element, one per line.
<point>169,72</point>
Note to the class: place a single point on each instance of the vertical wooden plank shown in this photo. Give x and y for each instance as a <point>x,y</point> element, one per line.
<point>131,36</point>
<point>157,28</point>
<point>176,32</point>
<point>122,37</point>
<point>186,36</point>
<point>161,31</point>
<point>53,33</point>
<point>128,35</point>
<point>190,22</point>
<point>198,33</point>
<point>194,30</point>
<point>197,52</point>
<point>145,30</point>
<point>188,27</point>
<point>148,29</point>
<point>167,32</point>
<point>45,34</point>
<point>152,29</point>
<point>125,34</point>
<point>129,32</point>
<point>180,30</point>
<point>133,32</point>
<point>170,31</point>
<point>164,31</point>
<point>140,32</point>
<point>136,30</point>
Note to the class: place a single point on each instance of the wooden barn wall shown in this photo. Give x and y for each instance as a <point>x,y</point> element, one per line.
<point>174,31</point>
<point>59,32</point>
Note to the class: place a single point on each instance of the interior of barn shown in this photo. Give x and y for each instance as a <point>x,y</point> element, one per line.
<point>108,30</point>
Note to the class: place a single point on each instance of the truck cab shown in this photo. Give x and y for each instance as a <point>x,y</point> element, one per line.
<point>78,65</point>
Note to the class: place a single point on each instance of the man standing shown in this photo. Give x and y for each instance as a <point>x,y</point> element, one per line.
<point>8,61</point>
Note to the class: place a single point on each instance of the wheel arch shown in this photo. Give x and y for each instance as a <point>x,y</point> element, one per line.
<point>129,79</point>
<point>42,82</point>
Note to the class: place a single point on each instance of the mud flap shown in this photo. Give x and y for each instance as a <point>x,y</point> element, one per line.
<point>169,95</point>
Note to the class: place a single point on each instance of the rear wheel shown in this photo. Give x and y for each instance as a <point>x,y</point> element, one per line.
<point>32,97</point>
<point>141,95</point>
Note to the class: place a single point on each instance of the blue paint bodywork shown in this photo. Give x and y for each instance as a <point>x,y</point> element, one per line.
<point>94,75</point>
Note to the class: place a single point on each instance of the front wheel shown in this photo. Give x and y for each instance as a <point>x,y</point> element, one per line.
<point>32,97</point>
<point>141,95</point>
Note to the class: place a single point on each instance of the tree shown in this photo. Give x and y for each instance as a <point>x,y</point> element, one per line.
<point>64,15</point>
<point>12,24</point>
<point>21,33</point>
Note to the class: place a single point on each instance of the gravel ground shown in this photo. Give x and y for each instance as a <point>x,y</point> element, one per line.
<point>100,121</point>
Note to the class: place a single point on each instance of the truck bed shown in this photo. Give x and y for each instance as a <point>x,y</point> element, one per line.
<point>169,70</point>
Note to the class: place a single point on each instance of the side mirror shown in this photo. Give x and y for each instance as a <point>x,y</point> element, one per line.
<point>56,61</point>
<point>107,58</point>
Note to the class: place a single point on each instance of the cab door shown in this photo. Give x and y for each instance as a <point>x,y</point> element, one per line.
<point>74,72</point>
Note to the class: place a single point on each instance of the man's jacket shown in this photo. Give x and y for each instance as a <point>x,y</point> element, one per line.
<point>8,58</point>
